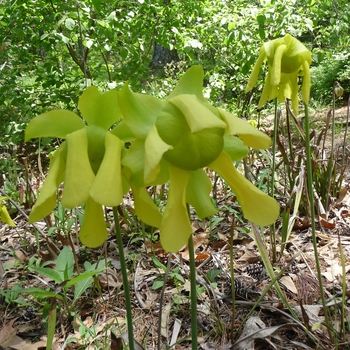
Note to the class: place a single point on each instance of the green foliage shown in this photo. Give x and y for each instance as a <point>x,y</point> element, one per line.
<point>325,74</point>
<point>66,46</point>
<point>174,276</point>
<point>12,297</point>
<point>64,276</point>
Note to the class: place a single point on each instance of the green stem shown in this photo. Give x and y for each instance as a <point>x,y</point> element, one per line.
<point>331,156</point>
<point>161,302</point>
<point>274,141</point>
<point>312,213</point>
<point>232,273</point>
<point>193,295</point>
<point>125,279</point>
<point>272,191</point>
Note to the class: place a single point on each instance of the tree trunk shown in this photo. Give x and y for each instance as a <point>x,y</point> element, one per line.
<point>162,56</point>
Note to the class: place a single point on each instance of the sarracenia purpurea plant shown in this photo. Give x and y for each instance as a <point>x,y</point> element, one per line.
<point>4,215</point>
<point>169,141</point>
<point>288,59</point>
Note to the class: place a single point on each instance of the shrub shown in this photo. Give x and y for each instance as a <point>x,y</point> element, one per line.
<point>331,69</point>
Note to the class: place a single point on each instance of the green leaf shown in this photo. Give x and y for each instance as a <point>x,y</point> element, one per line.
<point>101,109</point>
<point>231,25</point>
<point>48,272</point>
<point>88,43</point>
<point>82,282</point>
<point>81,287</point>
<point>124,53</point>
<point>38,292</point>
<point>157,284</point>
<point>63,38</point>
<point>55,123</point>
<point>65,263</point>
<point>261,19</point>
<point>69,23</point>
<point>83,276</point>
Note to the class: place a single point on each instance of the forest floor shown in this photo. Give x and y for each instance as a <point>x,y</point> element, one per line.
<point>100,310</point>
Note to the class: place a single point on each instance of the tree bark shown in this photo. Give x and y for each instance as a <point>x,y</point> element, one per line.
<point>162,56</point>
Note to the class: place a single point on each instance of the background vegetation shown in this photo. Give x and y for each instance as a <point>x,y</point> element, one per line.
<point>50,50</point>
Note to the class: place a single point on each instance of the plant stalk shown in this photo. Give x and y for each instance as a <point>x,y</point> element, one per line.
<point>193,295</point>
<point>312,213</point>
<point>161,302</point>
<point>125,279</point>
<point>232,274</point>
<point>272,191</point>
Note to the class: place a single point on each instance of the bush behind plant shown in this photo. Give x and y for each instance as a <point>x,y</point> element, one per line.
<point>332,68</point>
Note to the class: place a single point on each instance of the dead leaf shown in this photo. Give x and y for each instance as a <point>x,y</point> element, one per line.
<point>165,320</point>
<point>198,240</point>
<point>312,312</point>
<point>176,331</point>
<point>249,257</point>
<point>111,321</point>
<point>330,224</point>
<point>109,279</point>
<point>255,329</point>
<point>137,345</point>
<point>116,343</point>
<point>18,343</point>
<point>154,247</point>
<point>22,258</point>
<point>151,297</point>
<point>289,284</point>
<point>342,194</point>
<point>7,334</point>
<point>77,323</point>
<point>202,256</point>
<point>334,271</point>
